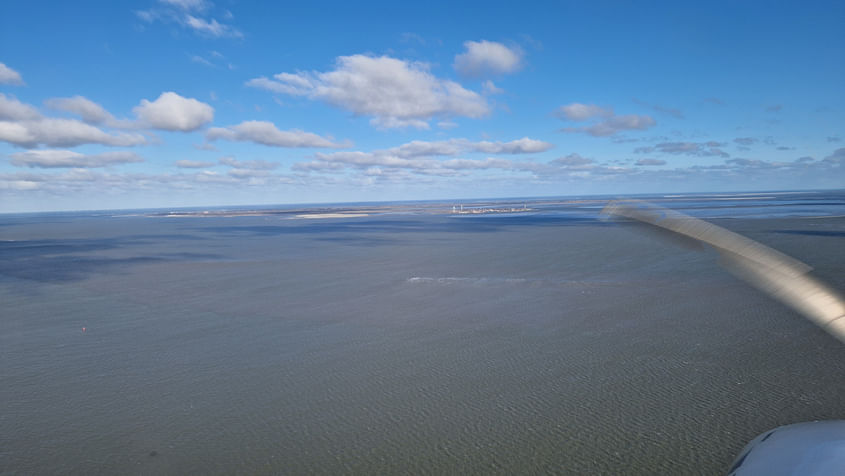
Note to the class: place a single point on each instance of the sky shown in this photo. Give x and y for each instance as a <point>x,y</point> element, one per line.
<point>191,103</point>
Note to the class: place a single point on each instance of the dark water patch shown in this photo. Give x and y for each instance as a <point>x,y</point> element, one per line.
<point>18,249</point>
<point>358,240</point>
<point>168,236</point>
<point>831,233</point>
<point>57,260</point>
<point>55,269</point>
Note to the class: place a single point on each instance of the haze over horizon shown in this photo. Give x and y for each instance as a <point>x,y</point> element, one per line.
<point>169,103</point>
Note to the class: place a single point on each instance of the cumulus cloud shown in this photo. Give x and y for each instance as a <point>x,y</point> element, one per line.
<point>88,110</point>
<point>62,133</point>
<point>13,110</point>
<point>605,121</point>
<point>22,125</point>
<point>698,149</point>
<point>172,112</point>
<point>10,76</point>
<point>70,159</point>
<point>487,58</point>
<point>193,164</point>
<point>266,133</point>
<point>649,162</point>
<point>393,92</point>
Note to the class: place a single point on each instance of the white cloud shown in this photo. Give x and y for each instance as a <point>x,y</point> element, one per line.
<point>615,124</point>
<point>266,133</point>
<point>62,133</point>
<point>14,110</point>
<point>647,162</point>
<point>172,112</point>
<point>193,164</point>
<point>745,141</point>
<point>698,149</point>
<point>519,146</point>
<point>276,87</point>
<point>370,162</point>
<point>476,164</point>
<point>92,183</point>
<point>191,14</point>
<point>10,76</point>
<point>395,93</point>
<point>490,88</point>
<point>837,157</point>
<point>606,122</point>
<point>188,5</point>
<point>485,58</point>
<point>420,157</point>
<point>248,173</point>
<point>572,160</point>
<point>70,159</point>
<point>199,59</point>
<point>419,148</point>
<point>248,164</point>
<point>88,110</point>
<point>211,28</point>
<point>453,147</point>
<point>583,112</point>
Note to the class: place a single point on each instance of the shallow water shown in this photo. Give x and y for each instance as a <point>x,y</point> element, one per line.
<point>401,343</point>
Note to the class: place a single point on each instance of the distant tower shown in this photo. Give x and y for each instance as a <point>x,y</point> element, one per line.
<point>453,209</point>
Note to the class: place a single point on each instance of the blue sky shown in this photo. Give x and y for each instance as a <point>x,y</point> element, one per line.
<point>167,103</point>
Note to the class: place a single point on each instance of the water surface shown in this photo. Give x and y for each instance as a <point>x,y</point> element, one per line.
<point>412,340</point>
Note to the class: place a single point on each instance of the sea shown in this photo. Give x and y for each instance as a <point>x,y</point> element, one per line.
<point>508,336</point>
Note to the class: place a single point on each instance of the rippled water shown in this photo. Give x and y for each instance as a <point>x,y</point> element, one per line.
<point>400,343</point>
